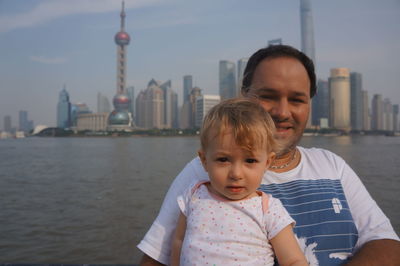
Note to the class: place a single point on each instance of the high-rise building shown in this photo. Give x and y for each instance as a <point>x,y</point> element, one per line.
<point>156,107</point>
<point>275,42</point>
<point>366,116</point>
<point>339,98</point>
<point>395,117</point>
<point>307,29</point>
<point>78,109</point>
<point>175,109</point>
<point>187,87</point>
<point>64,110</point>
<point>120,119</point>
<point>307,37</point>
<point>25,125</point>
<point>131,94</point>
<point>203,104</point>
<point>320,103</point>
<point>387,115</point>
<point>227,80</point>
<point>241,66</point>
<point>356,112</point>
<point>7,124</point>
<point>103,104</point>
<point>167,95</point>
<point>377,112</point>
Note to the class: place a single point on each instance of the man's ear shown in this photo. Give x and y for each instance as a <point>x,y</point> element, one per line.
<point>271,157</point>
<point>202,156</point>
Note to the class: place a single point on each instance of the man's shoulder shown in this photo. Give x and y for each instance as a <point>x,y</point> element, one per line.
<point>318,153</point>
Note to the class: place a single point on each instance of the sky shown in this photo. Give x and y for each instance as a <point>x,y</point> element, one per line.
<point>46,44</point>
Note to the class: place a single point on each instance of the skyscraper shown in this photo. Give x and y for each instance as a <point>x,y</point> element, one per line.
<point>103,104</point>
<point>307,36</point>
<point>366,117</point>
<point>120,118</point>
<point>25,125</point>
<point>377,112</point>
<point>320,103</point>
<point>339,98</point>
<point>387,115</point>
<point>7,124</point>
<point>203,104</point>
<point>307,29</point>
<point>227,80</point>
<point>187,87</point>
<point>275,41</point>
<point>64,110</point>
<point>241,66</point>
<point>396,117</point>
<point>356,101</point>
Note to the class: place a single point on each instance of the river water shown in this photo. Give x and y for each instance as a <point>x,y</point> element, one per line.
<point>91,200</point>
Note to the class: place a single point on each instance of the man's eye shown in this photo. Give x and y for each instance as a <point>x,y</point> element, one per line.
<point>297,100</point>
<point>222,159</point>
<point>251,160</point>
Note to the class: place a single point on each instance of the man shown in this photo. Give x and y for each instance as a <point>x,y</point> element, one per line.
<point>336,219</point>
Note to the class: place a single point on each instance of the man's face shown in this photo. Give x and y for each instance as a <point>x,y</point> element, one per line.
<point>283,88</point>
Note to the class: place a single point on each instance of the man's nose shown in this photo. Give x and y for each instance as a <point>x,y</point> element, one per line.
<point>280,109</point>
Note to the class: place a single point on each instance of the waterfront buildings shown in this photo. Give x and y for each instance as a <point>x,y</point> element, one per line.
<point>227,80</point>
<point>377,112</point>
<point>339,99</point>
<point>7,124</point>
<point>395,117</point>
<point>356,110</point>
<point>92,122</point>
<point>156,107</point>
<point>203,104</point>
<point>64,110</point>
<point>241,66</point>
<point>103,104</point>
<point>25,125</point>
<point>187,87</point>
<point>320,103</point>
<point>275,41</point>
<point>366,119</point>
<point>387,115</point>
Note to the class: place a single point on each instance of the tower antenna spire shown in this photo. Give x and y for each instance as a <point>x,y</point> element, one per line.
<point>123,16</point>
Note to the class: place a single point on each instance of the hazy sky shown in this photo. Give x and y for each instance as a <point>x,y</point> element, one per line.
<point>45,44</point>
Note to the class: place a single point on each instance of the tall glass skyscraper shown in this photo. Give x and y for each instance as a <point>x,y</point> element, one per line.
<point>187,87</point>
<point>63,110</point>
<point>307,29</point>
<point>227,80</point>
<point>356,101</point>
<point>307,37</point>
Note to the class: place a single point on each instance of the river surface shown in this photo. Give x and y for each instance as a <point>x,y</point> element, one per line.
<point>91,200</point>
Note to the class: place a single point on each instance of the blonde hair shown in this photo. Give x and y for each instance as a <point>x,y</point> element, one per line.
<point>252,127</point>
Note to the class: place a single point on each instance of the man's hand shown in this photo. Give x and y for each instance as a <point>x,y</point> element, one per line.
<point>148,261</point>
<point>377,252</point>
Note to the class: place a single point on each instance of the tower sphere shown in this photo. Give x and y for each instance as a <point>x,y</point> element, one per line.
<point>122,38</point>
<point>121,101</point>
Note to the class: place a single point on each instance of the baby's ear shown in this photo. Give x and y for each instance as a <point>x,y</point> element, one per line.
<point>202,157</point>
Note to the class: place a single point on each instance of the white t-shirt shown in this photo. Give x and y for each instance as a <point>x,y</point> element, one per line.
<point>223,232</point>
<point>334,213</point>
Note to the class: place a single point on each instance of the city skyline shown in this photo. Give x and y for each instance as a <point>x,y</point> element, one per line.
<point>46,44</point>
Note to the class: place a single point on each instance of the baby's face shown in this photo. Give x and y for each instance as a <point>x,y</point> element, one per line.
<point>235,173</point>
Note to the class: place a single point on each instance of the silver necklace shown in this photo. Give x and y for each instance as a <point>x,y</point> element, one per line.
<point>286,164</point>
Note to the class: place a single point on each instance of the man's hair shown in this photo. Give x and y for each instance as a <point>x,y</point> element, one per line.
<point>251,126</point>
<point>274,51</point>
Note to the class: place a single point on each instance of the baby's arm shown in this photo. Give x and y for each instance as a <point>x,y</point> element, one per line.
<point>178,240</point>
<point>287,249</point>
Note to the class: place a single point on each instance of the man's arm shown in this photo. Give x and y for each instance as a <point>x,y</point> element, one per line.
<point>148,261</point>
<point>377,252</point>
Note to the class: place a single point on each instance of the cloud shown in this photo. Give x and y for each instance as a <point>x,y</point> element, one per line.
<point>48,60</point>
<point>49,10</point>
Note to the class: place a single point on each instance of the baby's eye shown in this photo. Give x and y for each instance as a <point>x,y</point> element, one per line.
<point>222,159</point>
<point>251,160</point>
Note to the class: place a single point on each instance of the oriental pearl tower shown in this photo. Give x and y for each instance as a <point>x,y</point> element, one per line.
<point>120,119</point>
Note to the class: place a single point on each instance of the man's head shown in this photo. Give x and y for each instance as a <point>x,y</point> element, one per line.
<point>275,51</point>
<point>283,80</point>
